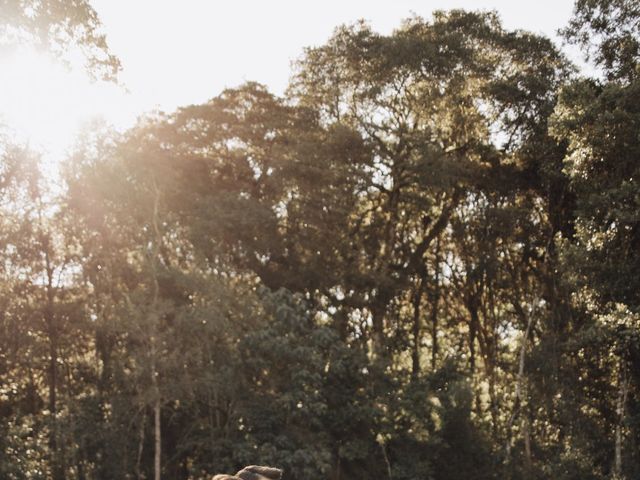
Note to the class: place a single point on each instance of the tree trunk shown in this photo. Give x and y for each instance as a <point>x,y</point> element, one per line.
<point>526,434</point>
<point>140,445</point>
<point>415,351</point>
<point>620,410</point>
<point>519,396</point>
<point>434,307</point>
<point>158,439</point>
<point>57,470</point>
<point>155,319</point>
<point>473,331</point>
<point>387,463</point>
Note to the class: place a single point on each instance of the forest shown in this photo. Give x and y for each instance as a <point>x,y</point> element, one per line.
<point>421,262</point>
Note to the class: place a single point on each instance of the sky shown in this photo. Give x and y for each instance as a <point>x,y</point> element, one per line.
<point>179,52</point>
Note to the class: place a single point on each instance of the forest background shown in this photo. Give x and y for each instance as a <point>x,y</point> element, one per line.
<point>419,262</point>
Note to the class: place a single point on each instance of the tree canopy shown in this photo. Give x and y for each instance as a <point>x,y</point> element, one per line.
<point>420,262</point>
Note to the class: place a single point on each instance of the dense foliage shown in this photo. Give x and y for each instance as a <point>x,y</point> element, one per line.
<point>419,263</point>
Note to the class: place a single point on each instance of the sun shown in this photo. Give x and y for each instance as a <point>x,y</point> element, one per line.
<point>44,103</point>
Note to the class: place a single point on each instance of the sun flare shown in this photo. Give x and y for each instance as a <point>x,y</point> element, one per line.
<point>44,102</point>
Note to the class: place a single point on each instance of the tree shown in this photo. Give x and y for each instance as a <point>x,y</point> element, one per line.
<point>417,263</point>
<point>609,32</point>
<point>598,121</point>
<point>59,26</point>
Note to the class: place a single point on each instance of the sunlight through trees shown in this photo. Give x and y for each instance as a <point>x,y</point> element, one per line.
<point>420,262</point>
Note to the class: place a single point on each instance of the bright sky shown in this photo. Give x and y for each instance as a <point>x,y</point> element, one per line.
<point>180,52</point>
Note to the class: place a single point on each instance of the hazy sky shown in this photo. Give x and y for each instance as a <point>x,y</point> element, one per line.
<point>177,52</point>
